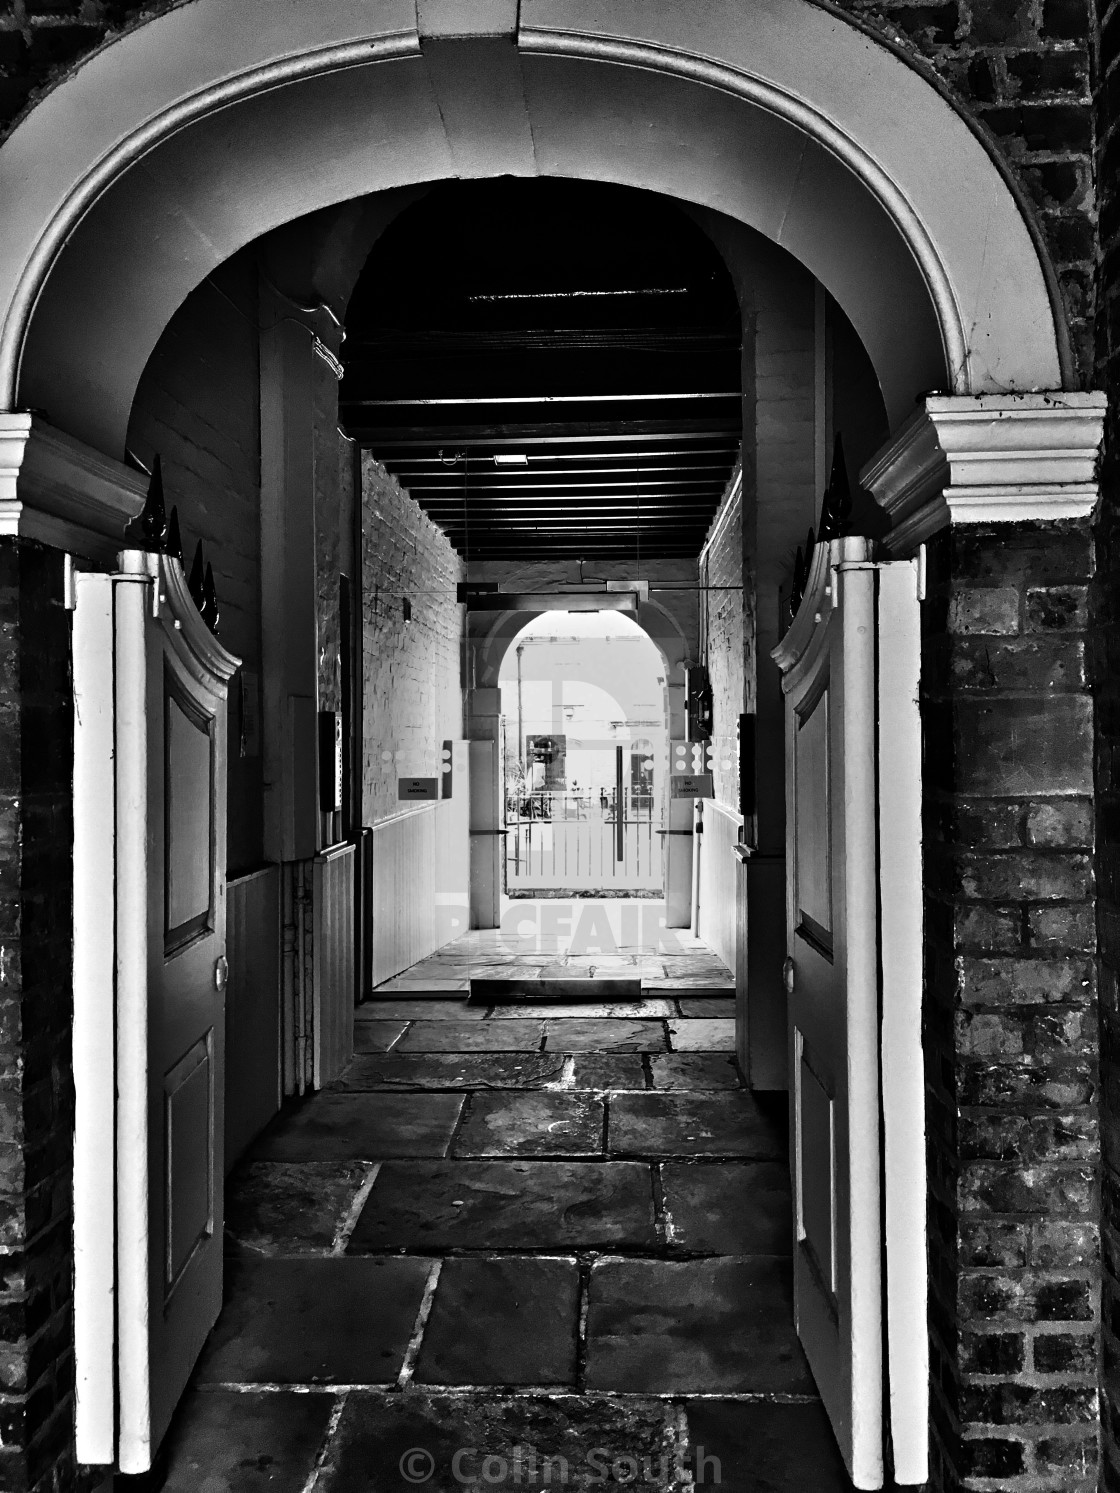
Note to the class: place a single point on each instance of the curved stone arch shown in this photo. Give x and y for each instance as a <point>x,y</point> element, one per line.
<point>659,625</point>
<point>215,122</point>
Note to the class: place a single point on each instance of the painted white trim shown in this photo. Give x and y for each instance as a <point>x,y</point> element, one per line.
<point>995,458</point>
<point>132,603</point>
<point>95,1336</point>
<point>58,490</point>
<point>901,934</point>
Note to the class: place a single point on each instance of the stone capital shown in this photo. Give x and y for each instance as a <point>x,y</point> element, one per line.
<point>56,489</point>
<point>991,458</point>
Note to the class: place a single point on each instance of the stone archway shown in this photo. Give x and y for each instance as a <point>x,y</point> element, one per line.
<point>165,154</point>
<point>210,125</point>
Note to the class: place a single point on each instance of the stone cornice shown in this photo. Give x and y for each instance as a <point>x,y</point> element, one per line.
<point>995,458</point>
<point>56,489</point>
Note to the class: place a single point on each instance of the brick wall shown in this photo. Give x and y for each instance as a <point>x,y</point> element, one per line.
<point>1106,620</point>
<point>1010,1018</point>
<point>1022,70</point>
<point>727,633</point>
<point>36,1093</point>
<point>412,693</point>
<point>198,406</point>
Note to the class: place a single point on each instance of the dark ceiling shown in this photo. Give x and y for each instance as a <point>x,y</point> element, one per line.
<point>588,334</point>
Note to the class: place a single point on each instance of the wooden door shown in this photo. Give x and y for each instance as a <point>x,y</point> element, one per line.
<point>166,865</point>
<point>853,974</point>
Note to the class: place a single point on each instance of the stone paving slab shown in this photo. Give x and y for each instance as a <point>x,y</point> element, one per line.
<point>471,1036</point>
<point>702,1036</point>
<point>330,1321</point>
<point>423,1008</point>
<point>548,1124</point>
<point>289,1208</point>
<point>764,1448</point>
<point>604,1035</point>
<point>527,1444</point>
<point>708,1006</point>
<point>225,1441</point>
<point>728,1208</point>
<point>453,1070</point>
<point>505,1321</point>
<point>526,1205</point>
<point>608,1071</point>
<point>334,1126</point>
<point>695,1124</point>
<point>421,987</point>
<point>695,1070</point>
<point>377,1036</point>
<point>637,1010</point>
<point>697,1326</point>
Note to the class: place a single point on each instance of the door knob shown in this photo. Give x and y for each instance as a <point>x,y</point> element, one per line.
<point>221,973</point>
<point>787,975</point>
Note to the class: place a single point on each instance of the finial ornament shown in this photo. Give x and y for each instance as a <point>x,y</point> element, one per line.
<point>209,608</point>
<point>196,582</point>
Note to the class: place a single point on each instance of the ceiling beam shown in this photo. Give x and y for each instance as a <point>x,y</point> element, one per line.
<point>557,432</point>
<point>424,402</point>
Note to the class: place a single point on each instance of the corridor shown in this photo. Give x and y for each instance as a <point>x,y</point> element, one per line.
<point>522,1243</point>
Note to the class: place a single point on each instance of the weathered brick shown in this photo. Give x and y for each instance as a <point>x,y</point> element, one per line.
<point>989,930</point>
<point>990,610</point>
<point>1019,982</point>
<point>1059,825</point>
<point>1057,609</point>
<point>1072,928</point>
<point>1001,1353</point>
<point>1000,1187</point>
<point>1020,748</point>
<point>1028,1404</point>
<point>1065,1353</point>
<point>1031,877</point>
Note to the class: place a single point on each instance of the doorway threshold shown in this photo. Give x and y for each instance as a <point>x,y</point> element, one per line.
<point>495,991</point>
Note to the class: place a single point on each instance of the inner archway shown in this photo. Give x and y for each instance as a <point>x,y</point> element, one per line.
<point>585,754</point>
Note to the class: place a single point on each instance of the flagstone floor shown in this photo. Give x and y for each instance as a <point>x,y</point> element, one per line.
<point>519,1245</point>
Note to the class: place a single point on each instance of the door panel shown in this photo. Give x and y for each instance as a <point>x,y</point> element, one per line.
<point>185,723</point>
<point>849,665</point>
<point>191,1147</point>
<point>150,724</point>
<point>188,775</point>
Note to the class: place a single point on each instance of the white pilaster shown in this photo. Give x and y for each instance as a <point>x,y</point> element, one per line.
<point>993,458</point>
<point>62,492</point>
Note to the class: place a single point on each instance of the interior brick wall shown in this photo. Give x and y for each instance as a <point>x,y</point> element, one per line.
<point>36,1089</point>
<point>198,406</point>
<point>1010,1011</point>
<point>412,697</point>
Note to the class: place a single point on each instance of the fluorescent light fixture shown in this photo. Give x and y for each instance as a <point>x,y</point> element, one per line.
<point>511,459</point>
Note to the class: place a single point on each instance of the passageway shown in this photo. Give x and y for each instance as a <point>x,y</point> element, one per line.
<point>516,1230</point>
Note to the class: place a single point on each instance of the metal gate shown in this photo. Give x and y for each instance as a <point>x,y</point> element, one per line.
<point>606,838</point>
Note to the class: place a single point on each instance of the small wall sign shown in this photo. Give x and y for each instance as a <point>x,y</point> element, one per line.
<point>691,784</point>
<point>417,788</point>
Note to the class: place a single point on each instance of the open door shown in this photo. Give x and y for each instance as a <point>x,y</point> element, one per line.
<point>150,740</point>
<point>854,975</point>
